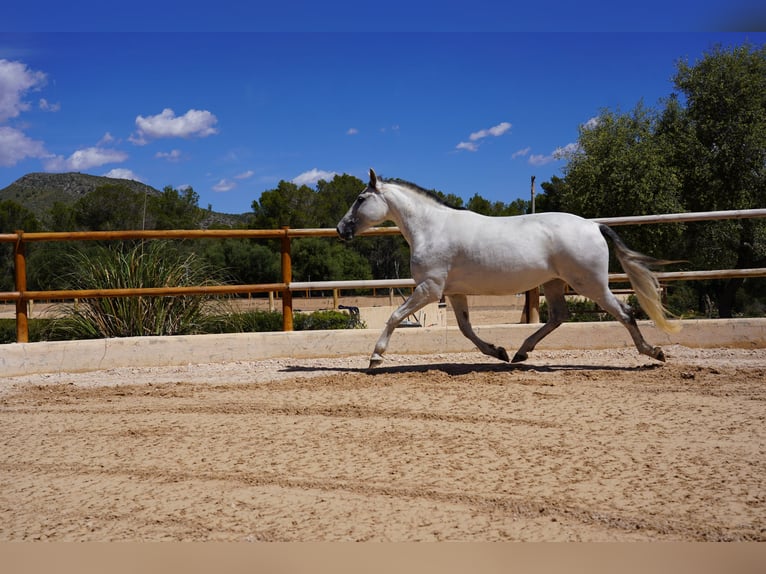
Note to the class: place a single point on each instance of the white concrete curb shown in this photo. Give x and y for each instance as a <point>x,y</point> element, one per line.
<point>79,356</point>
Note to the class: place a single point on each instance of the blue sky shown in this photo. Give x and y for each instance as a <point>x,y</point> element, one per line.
<point>232,113</point>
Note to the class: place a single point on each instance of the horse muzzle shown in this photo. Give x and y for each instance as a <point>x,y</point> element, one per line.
<point>345,232</point>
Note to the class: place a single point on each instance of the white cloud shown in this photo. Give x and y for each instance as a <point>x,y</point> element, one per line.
<point>469,146</point>
<point>495,131</point>
<point>106,139</point>
<point>312,176</point>
<point>172,155</point>
<point>46,106</point>
<point>122,173</point>
<point>521,153</point>
<point>16,146</point>
<point>224,185</point>
<point>567,151</point>
<point>352,131</point>
<point>245,174</point>
<point>194,123</point>
<point>15,80</point>
<point>540,159</point>
<point>559,153</point>
<point>84,159</point>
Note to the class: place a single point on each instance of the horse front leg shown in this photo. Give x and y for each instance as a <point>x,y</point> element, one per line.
<point>460,307</point>
<point>423,294</point>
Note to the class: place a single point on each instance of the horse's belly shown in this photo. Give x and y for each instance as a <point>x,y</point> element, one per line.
<point>494,282</point>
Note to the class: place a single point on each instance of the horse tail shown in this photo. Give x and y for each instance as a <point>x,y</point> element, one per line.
<point>643,281</point>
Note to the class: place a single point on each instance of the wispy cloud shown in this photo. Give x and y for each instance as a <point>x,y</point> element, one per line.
<point>84,159</point>
<point>352,131</point>
<point>173,155</point>
<point>245,174</point>
<point>468,146</point>
<point>224,185</point>
<point>47,106</point>
<point>495,131</point>
<point>521,153</point>
<point>312,176</point>
<point>106,139</point>
<point>537,159</point>
<point>567,151</point>
<point>559,153</point>
<point>473,139</point>
<point>194,123</point>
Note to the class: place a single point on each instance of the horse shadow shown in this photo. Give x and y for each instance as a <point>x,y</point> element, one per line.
<point>458,369</point>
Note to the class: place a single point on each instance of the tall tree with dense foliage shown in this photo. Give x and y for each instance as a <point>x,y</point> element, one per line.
<point>621,167</point>
<point>720,137</point>
<point>705,150</point>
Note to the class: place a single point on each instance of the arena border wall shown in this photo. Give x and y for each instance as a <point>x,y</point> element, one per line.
<point>81,356</point>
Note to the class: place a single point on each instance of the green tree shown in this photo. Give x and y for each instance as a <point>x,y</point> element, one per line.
<point>243,260</point>
<point>174,209</point>
<point>552,197</point>
<point>316,259</point>
<point>333,198</point>
<point>110,207</point>
<point>620,168</point>
<point>287,204</point>
<point>720,138</point>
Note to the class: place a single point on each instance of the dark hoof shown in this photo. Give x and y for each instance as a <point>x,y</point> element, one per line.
<point>502,354</point>
<point>519,358</point>
<point>659,354</point>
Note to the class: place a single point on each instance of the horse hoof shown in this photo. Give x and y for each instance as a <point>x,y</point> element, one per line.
<point>659,354</point>
<point>519,358</point>
<point>375,361</point>
<point>502,354</point>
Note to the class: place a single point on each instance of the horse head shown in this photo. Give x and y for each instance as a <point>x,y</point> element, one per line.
<point>369,209</point>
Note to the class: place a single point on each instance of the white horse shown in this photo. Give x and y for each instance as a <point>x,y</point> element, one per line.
<point>458,253</point>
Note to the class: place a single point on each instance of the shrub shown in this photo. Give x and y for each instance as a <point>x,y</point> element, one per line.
<point>150,264</point>
<point>320,320</point>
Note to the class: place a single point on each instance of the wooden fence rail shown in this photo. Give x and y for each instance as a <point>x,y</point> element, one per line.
<point>22,296</point>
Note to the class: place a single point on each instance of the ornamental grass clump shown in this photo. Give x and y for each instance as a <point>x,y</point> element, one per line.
<point>148,264</point>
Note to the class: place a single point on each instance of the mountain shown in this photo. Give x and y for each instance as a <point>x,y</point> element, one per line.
<point>37,192</point>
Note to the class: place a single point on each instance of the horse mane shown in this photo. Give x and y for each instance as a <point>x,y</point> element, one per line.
<point>430,194</point>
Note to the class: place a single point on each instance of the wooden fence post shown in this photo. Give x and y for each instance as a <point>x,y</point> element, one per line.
<point>20,280</point>
<point>287,278</point>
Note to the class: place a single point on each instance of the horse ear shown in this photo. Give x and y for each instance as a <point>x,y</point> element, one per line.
<point>373,179</point>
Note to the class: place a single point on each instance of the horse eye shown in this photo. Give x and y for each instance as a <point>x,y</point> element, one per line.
<point>360,199</point>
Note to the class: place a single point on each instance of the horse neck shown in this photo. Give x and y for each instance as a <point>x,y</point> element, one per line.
<point>410,211</point>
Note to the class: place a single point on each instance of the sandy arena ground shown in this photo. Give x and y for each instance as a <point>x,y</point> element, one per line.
<point>599,445</point>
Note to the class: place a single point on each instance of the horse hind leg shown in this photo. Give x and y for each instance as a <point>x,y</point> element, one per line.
<point>557,314</point>
<point>460,307</point>
<point>622,312</point>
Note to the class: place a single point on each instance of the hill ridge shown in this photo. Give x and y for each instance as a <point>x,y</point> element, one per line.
<point>39,191</point>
